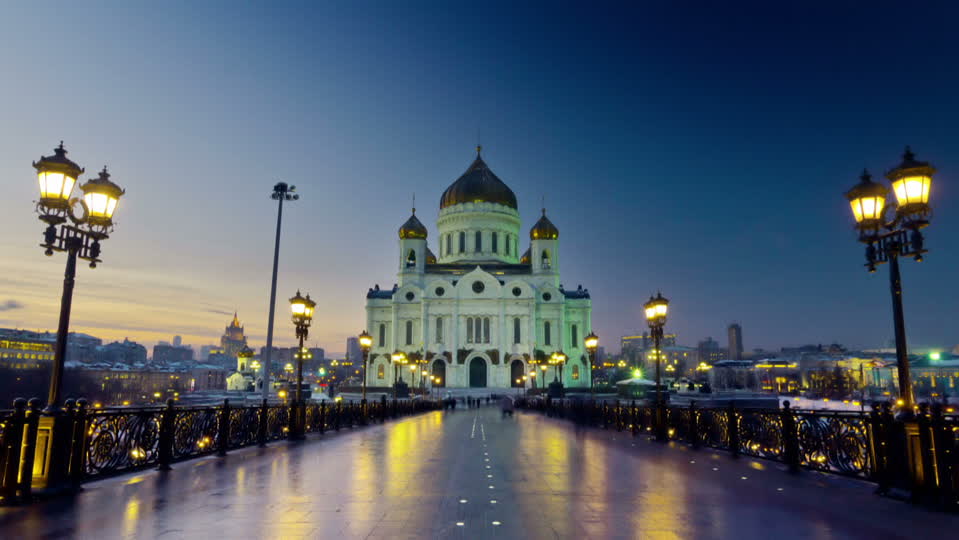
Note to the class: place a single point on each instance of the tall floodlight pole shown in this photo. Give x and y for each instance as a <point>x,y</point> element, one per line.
<point>281,192</point>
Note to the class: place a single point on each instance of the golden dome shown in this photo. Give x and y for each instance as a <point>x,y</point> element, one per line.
<point>525,258</point>
<point>544,229</point>
<point>478,184</point>
<point>413,228</point>
<point>430,256</point>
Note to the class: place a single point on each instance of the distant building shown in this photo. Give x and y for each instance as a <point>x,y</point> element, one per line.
<point>709,351</point>
<point>34,347</point>
<point>127,352</point>
<point>177,341</point>
<point>353,351</point>
<point>169,354</point>
<point>206,377</point>
<point>233,338</point>
<point>735,341</point>
<point>634,348</point>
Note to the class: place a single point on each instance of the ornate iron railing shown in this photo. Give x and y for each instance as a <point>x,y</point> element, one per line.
<point>107,442</point>
<point>920,453</point>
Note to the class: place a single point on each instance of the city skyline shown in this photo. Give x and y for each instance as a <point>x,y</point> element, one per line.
<point>654,158</point>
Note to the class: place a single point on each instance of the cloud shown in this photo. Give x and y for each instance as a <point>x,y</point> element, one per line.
<point>220,312</point>
<point>10,305</point>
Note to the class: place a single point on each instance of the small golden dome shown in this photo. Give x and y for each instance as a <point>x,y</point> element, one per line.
<point>413,228</point>
<point>430,256</point>
<point>544,229</point>
<point>525,258</point>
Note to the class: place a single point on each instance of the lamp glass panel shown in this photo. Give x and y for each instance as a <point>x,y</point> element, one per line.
<point>661,309</point>
<point>298,308</point>
<point>650,312</point>
<point>912,189</point>
<point>100,205</point>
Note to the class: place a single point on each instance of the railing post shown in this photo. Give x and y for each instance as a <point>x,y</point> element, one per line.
<point>382,408</point>
<point>732,421</point>
<point>165,447</point>
<point>634,418</point>
<point>263,424</point>
<point>322,417</point>
<point>790,438</point>
<point>947,460</point>
<point>78,443</point>
<point>693,424</point>
<point>29,451</point>
<point>337,415</point>
<point>928,479</point>
<point>12,445</point>
<point>364,412</point>
<point>223,436</point>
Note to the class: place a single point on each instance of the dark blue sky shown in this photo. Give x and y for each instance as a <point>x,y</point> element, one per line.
<point>701,149</point>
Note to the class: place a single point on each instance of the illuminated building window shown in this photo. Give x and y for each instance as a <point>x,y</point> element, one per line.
<point>575,372</point>
<point>545,260</point>
<point>411,259</point>
<point>380,372</point>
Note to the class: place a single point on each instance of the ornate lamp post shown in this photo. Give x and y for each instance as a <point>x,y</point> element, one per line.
<point>399,359</point>
<point>886,241</point>
<point>592,343</point>
<point>75,225</point>
<point>302,309</point>
<point>366,342</point>
<point>656,310</point>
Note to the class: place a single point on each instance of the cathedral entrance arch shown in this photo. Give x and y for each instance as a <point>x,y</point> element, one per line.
<point>516,373</point>
<point>477,373</point>
<point>439,371</point>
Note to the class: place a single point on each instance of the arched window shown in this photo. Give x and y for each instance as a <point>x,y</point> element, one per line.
<point>462,242</point>
<point>439,329</point>
<point>411,259</point>
<point>546,333</point>
<point>469,330</point>
<point>486,330</point>
<point>495,241</point>
<point>479,242</point>
<point>382,335</point>
<point>575,372</point>
<point>545,259</point>
<point>380,371</point>
<point>575,336</point>
<point>517,336</point>
<point>409,332</point>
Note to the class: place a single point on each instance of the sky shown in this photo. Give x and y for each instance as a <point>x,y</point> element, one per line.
<point>698,149</point>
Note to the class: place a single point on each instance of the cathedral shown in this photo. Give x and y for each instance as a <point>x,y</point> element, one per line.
<point>477,310</point>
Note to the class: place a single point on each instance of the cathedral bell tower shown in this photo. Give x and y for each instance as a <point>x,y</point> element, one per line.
<point>544,247</point>
<point>413,250</point>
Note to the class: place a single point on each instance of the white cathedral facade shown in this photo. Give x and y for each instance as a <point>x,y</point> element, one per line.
<point>476,314</point>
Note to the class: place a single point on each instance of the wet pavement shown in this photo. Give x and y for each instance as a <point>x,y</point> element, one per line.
<point>471,474</point>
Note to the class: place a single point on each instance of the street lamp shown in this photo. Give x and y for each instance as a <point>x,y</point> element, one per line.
<point>366,342</point>
<point>399,359</point>
<point>302,311</point>
<point>656,310</point>
<point>558,359</point>
<point>91,220</point>
<point>887,241</point>
<point>75,225</point>
<point>281,192</point>
<point>592,343</point>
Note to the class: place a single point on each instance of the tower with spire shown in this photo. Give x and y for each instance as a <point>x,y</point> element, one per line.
<point>233,339</point>
<point>477,310</point>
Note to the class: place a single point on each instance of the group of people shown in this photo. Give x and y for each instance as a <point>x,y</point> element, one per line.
<point>449,402</point>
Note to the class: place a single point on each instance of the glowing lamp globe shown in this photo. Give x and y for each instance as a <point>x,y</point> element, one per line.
<point>366,340</point>
<point>591,341</point>
<point>57,175</point>
<point>911,182</point>
<point>399,357</point>
<point>302,309</point>
<point>656,310</point>
<point>867,199</point>
<point>100,198</point>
